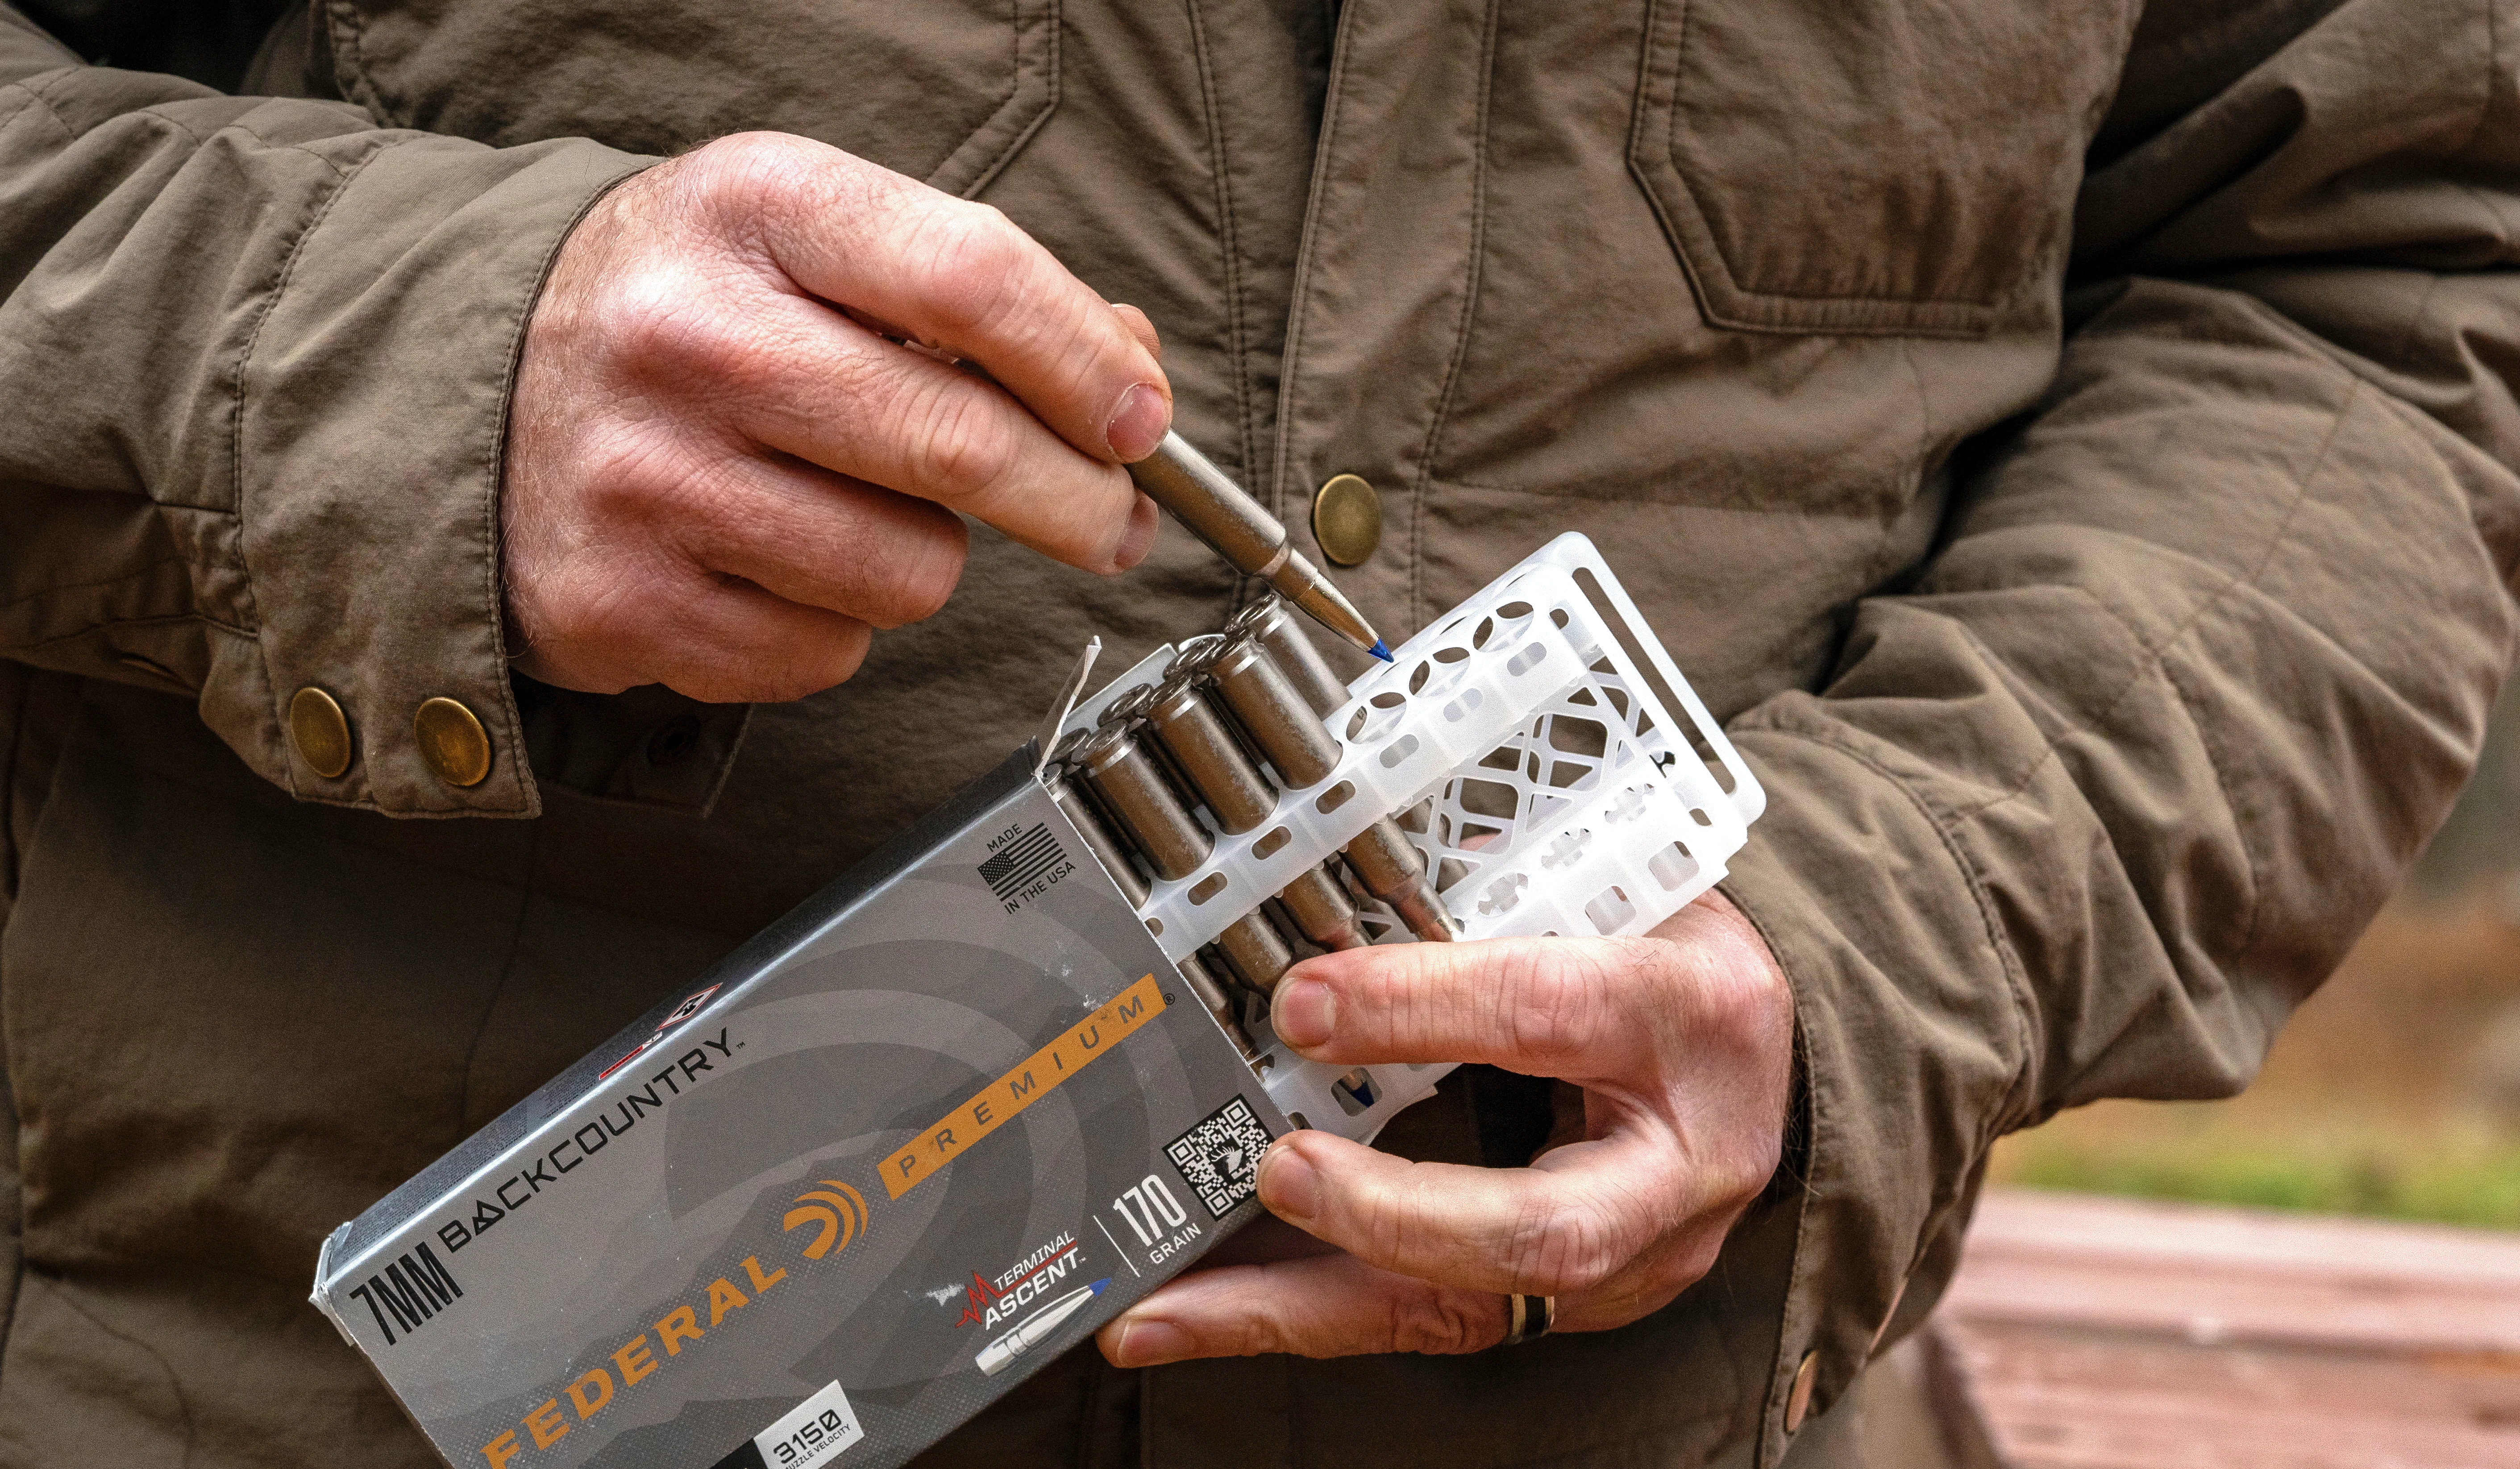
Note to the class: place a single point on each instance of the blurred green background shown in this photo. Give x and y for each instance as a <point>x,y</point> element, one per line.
<point>2395,1091</point>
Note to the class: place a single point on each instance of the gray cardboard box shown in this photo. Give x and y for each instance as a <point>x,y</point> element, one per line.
<point>927,1131</point>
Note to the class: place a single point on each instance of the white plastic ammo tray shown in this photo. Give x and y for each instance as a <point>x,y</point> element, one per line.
<point>1570,796</point>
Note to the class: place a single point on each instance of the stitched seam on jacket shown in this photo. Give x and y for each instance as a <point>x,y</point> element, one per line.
<point>200,138</point>
<point>172,619</point>
<point>1419,492</point>
<point>1236,334</point>
<point>35,98</point>
<point>308,149</point>
<point>1293,352</point>
<point>2485,103</point>
<point>236,428</point>
<point>1878,304</point>
<point>2016,974</point>
<point>17,98</point>
<point>134,574</point>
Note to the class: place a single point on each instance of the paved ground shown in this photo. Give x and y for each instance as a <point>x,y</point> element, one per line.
<point>2096,1333</point>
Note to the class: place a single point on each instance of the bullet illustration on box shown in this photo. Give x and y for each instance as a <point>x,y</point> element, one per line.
<point>1037,1328</point>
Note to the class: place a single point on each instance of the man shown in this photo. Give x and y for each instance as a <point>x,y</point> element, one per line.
<point>2070,447</point>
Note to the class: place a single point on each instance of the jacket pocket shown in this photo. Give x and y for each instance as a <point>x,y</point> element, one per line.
<point>943,90</point>
<point>1877,166</point>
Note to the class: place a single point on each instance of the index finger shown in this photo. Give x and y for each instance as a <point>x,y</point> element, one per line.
<point>962,278</point>
<point>1564,1224</point>
<point>1550,1006</point>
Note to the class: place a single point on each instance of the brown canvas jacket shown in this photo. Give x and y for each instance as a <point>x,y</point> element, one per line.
<point>2070,445</point>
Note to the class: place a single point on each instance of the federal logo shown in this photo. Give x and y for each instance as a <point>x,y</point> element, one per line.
<point>836,1207</point>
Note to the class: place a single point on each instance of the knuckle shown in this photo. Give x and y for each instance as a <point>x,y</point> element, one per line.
<point>1694,1260</point>
<point>1738,998</point>
<point>1442,1322</point>
<point>976,266</point>
<point>1744,1169</point>
<point>962,448</point>
<point>795,668</point>
<point>1558,1251</point>
<point>665,330</point>
<point>1557,1002</point>
<point>629,479</point>
<point>925,574</point>
<point>742,168</point>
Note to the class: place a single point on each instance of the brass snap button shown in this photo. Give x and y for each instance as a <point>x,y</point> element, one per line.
<point>1798,1399</point>
<point>1347,519</point>
<point>320,731</point>
<point>452,741</point>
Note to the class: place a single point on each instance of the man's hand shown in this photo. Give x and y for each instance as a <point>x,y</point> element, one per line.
<point>726,467</point>
<point>1682,1043</point>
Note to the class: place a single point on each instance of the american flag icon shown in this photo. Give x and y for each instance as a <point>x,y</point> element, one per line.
<point>1021,861</point>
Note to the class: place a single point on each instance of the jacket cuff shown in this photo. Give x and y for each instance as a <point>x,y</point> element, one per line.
<point>1909,1023</point>
<point>370,421</point>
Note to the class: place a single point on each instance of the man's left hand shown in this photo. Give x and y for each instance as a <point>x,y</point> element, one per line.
<point>1683,1044</point>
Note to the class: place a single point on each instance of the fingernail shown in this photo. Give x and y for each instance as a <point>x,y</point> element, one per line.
<point>1302,1012</point>
<point>1147,1344</point>
<point>1138,424</point>
<point>1140,537</point>
<point>1288,1186</point>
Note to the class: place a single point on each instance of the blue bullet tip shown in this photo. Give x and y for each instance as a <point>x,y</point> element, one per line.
<point>1380,652</point>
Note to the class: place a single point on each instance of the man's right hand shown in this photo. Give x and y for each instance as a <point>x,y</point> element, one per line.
<point>723,472</point>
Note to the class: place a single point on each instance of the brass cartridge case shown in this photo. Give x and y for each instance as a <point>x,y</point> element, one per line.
<point>1097,838</point>
<point>1322,910</point>
<point>1255,951</point>
<point>1205,750</point>
<point>1218,1005</point>
<point>1135,790</point>
<point>1284,728</point>
<point>1388,865</point>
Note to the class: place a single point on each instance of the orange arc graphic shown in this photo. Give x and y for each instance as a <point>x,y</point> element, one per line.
<point>841,1209</point>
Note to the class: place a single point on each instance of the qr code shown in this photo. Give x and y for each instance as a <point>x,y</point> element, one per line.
<point>1220,1158</point>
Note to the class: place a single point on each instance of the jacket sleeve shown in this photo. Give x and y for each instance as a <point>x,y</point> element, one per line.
<point>255,354</point>
<point>2204,657</point>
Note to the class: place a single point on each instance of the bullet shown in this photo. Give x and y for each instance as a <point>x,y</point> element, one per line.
<point>1321,912</point>
<point>1135,790</point>
<point>1218,1005</point>
<point>1039,1327</point>
<point>1274,625</point>
<point>1289,734</point>
<point>1205,750</point>
<point>1296,741</point>
<point>1097,839</point>
<point>1235,526</point>
<point>1255,951</point>
<point>1386,862</point>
